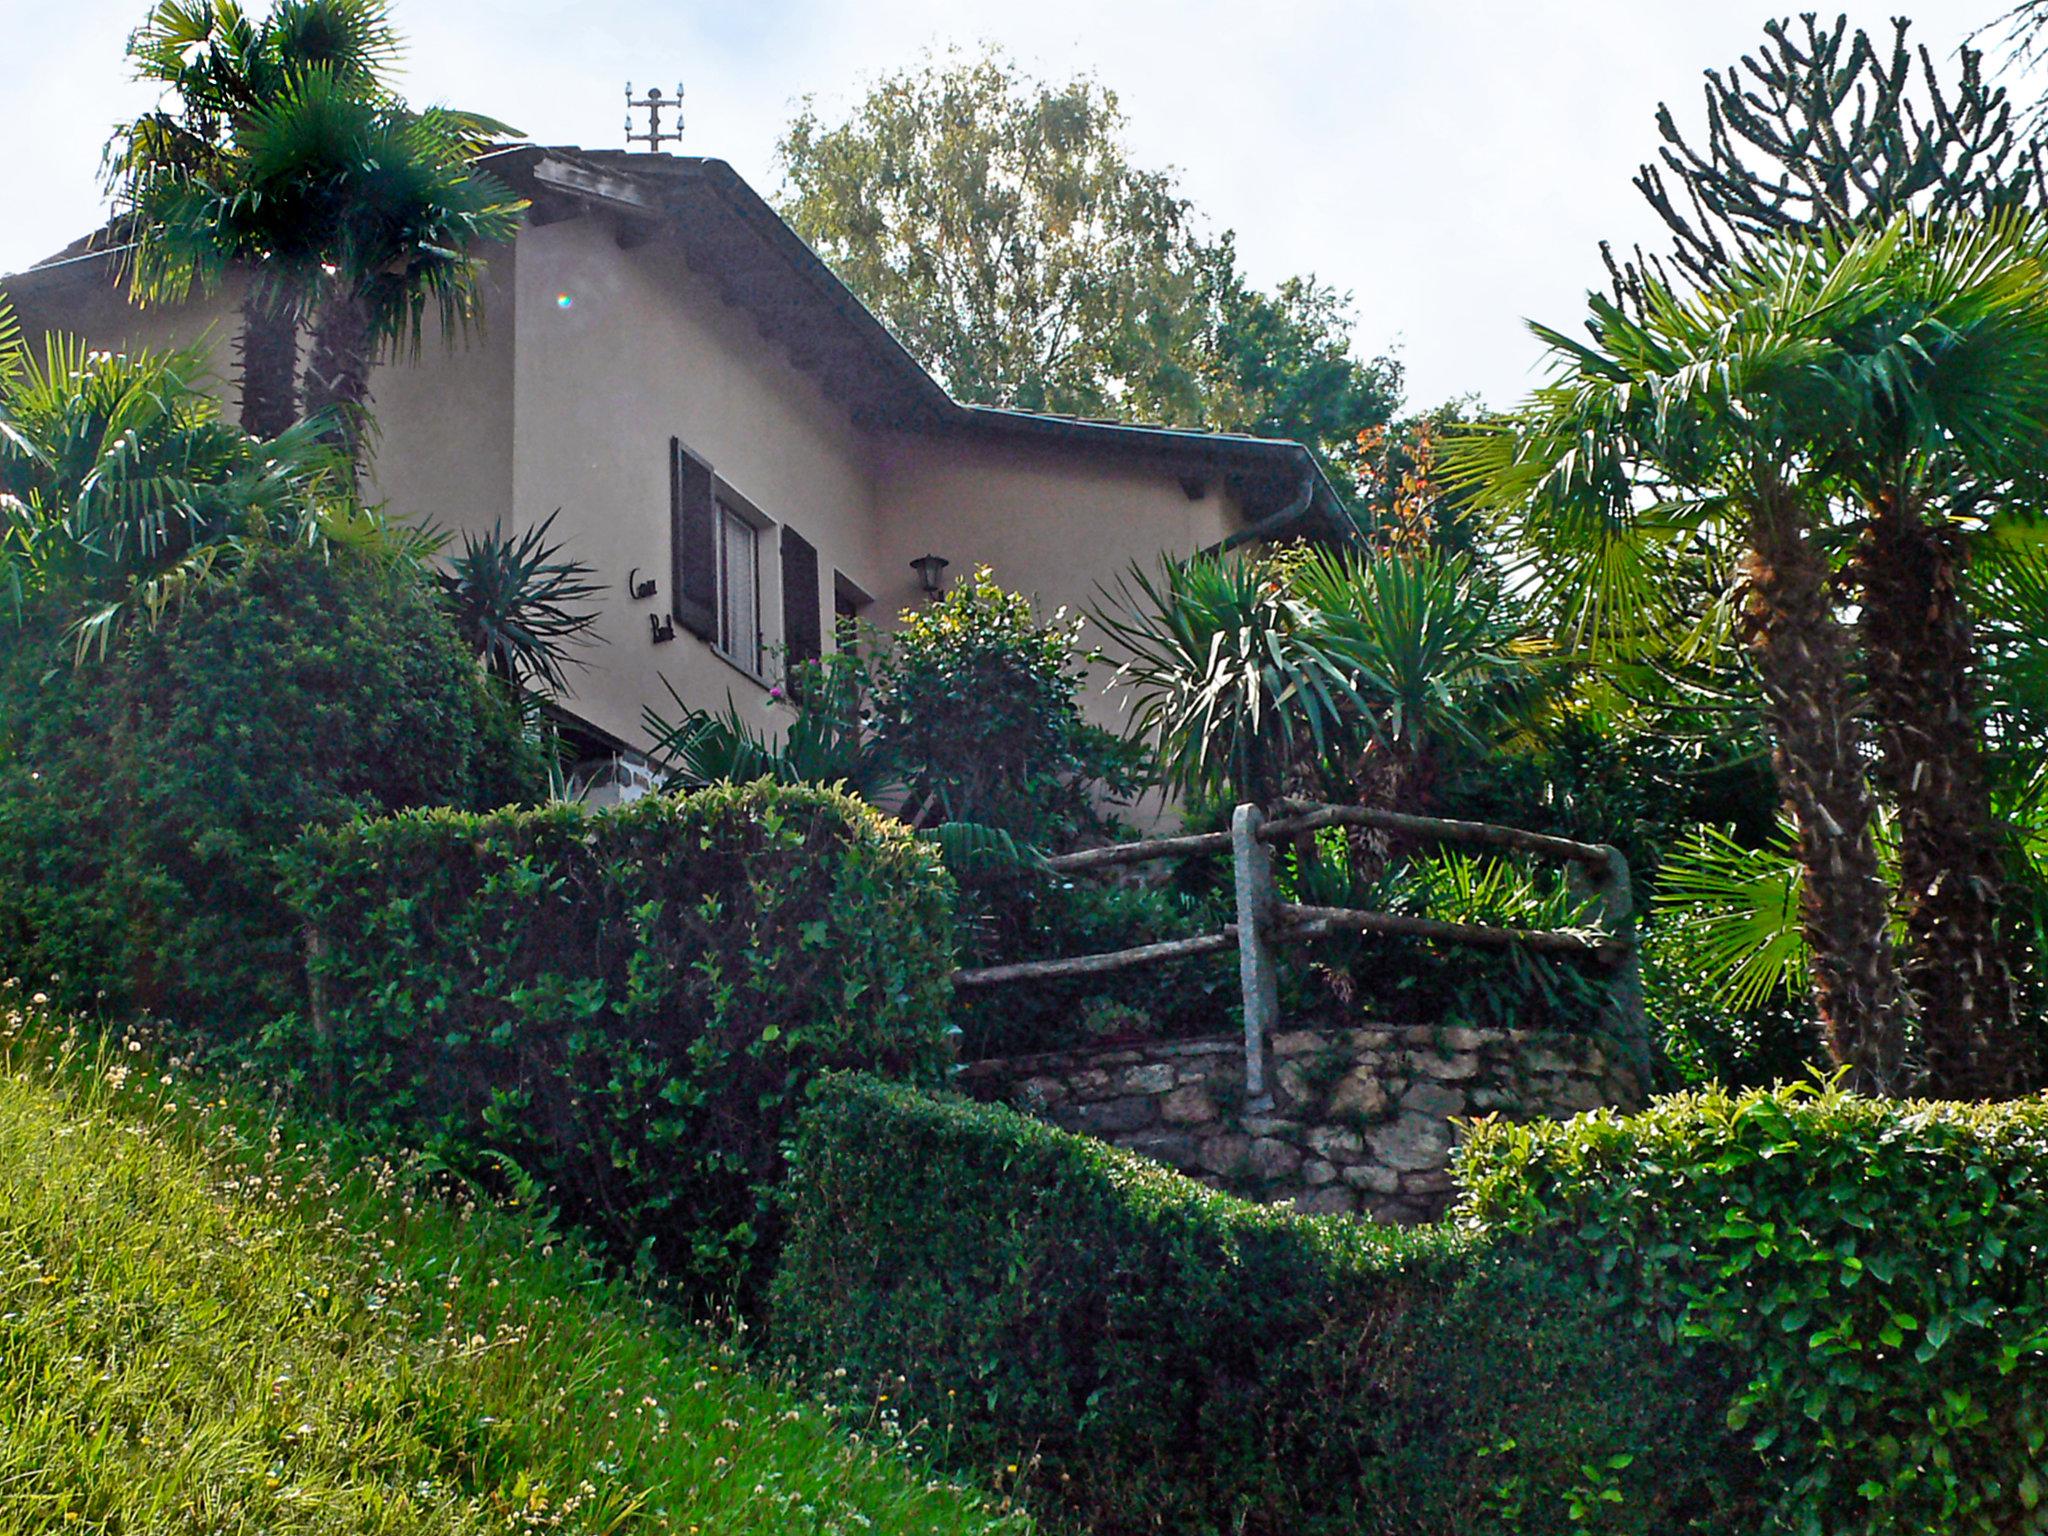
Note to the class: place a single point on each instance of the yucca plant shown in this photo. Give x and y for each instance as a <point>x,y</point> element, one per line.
<point>515,602</point>
<point>1333,671</point>
<point>826,738</point>
<point>1236,681</point>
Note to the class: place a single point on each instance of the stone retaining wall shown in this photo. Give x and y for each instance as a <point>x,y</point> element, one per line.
<point>1361,1117</point>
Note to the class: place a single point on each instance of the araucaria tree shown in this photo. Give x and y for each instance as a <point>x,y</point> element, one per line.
<point>1826,131</point>
<point>1738,419</point>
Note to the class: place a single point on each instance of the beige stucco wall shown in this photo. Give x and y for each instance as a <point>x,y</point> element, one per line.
<point>1052,522</point>
<point>644,352</point>
<point>572,405</point>
<point>87,298</point>
<point>443,448</point>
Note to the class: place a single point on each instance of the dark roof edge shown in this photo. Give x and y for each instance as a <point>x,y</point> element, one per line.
<point>1209,448</point>
<point>1216,450</point>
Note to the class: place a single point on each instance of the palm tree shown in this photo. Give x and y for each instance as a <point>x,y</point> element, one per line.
<point>1691,422</point>
<point>406,209</point>
<point>122,491</point>
<point>1948,367</point>
<point>176,171</point>
<point>283,153</point>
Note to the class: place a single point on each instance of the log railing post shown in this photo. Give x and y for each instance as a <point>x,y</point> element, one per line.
<point>1256,900</point>
<point>1628,1022</point>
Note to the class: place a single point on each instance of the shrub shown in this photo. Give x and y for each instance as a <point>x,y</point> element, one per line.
<point>618,1008</point>
<point>1046,917</point>
<point>1143,1354</point>
<point>1707,1037</point>
<point>1871,1274</point>
<point>975,699</point>
<point>143,797</point>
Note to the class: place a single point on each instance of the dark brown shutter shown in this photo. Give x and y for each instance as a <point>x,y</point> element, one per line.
<point>693,541</point>
<point>803,637</point>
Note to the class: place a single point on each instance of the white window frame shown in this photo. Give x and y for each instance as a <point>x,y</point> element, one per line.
<point>734,510</point>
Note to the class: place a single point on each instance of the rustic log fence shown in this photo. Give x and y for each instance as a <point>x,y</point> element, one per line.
<point>1264,921</point>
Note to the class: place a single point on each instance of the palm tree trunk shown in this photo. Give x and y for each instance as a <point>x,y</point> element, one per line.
<point>269,351</point>
<point>1801,654</point>
<point>1921,656</point>
<point>338,373</point>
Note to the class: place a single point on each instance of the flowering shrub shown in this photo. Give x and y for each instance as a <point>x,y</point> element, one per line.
<point>615,1010</point>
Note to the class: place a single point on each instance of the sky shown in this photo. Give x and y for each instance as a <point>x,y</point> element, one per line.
<point>1451,166</point>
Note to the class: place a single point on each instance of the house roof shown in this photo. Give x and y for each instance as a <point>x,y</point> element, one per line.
<point>732,237</point>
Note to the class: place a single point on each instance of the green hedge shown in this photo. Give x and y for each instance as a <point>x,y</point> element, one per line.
<point>617,1008</point>
<point>143,796</point>
<point>1142,1354</point>
<point>1873,1275</point>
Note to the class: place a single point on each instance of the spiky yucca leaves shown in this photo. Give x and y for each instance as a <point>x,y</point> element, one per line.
<point>1327,670</point>
<point>1234,679</point>
<point>515,603</point>
<point>122,491</point>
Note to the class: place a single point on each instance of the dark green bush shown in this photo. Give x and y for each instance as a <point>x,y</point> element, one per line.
<point>620,1007</point>
<point>1142,1354</point>
<point>1871,1273</point>
<point>1045,917</point>
<point>143,797</point>
<point>1701,1038</point>
<point>976,699</point>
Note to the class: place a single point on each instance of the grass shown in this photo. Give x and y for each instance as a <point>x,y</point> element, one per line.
<point>213,1319</point>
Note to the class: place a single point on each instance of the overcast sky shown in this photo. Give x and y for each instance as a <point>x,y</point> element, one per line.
<point>1453,166</point>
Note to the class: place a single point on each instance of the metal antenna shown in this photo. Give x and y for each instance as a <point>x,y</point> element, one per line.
<point>654,104</point>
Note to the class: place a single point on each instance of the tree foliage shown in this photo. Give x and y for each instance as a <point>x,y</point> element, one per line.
<point>280,151</point>
<point>998,225</point>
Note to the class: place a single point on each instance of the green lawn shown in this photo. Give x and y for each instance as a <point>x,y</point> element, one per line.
<point>210,1323</point>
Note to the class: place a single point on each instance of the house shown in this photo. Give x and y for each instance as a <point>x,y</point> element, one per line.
<point>742,451</point>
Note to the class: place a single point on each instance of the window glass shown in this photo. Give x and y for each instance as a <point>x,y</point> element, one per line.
<point>739,589</point>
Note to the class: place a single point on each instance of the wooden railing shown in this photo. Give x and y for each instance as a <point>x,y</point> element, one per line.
<point>1264,921</point>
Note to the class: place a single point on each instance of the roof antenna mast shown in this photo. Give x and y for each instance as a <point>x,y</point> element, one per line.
<point>654,104</point>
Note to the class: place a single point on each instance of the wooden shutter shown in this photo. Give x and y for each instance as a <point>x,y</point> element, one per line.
<point>803,637</point>
<point>693,541</point>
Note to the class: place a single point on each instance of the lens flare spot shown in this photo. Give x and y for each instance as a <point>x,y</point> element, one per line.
<point>565,301</point>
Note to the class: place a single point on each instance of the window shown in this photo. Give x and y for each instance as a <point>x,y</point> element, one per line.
<point>849,602</point>
<point>739,589</point>
<point>715,551</point>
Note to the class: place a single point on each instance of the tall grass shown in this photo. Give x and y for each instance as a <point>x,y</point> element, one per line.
<point>213,1319</point>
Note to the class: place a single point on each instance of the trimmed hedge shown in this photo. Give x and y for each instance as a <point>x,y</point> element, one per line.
<point>143,796</point>
<point>615,1009</point>
<point>1873,1275</point>
<point>1142,1354</point>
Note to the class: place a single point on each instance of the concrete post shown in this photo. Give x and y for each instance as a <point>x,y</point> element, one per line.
<point>1252,863</point>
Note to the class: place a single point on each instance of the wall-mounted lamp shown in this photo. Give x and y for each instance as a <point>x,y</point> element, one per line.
<point>931,573</point>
